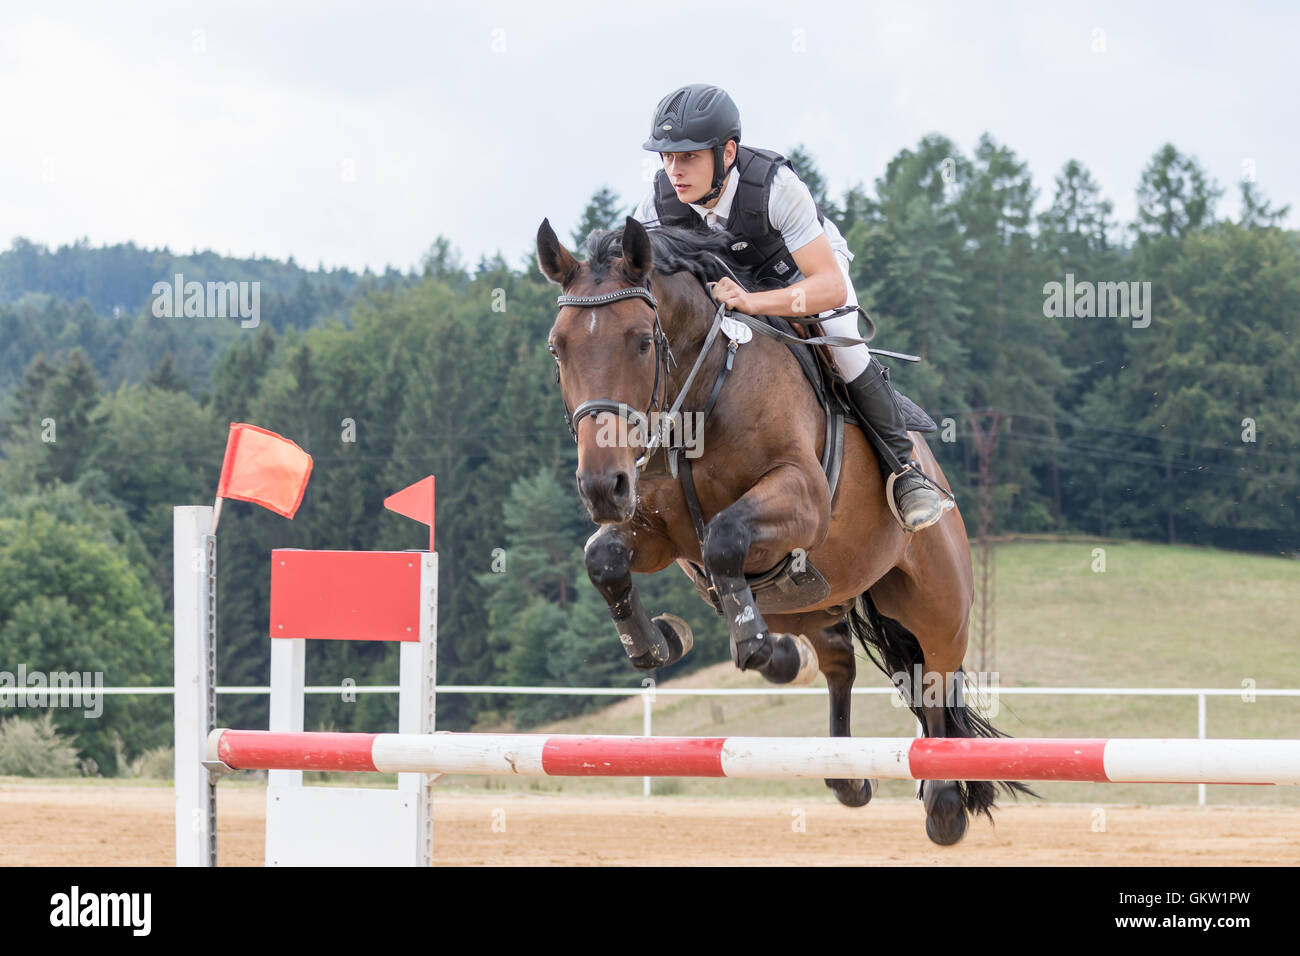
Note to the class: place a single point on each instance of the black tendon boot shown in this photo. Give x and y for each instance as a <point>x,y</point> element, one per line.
<point>913,500</point>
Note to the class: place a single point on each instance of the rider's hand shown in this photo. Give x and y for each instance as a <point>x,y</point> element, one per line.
<point>733,296</point>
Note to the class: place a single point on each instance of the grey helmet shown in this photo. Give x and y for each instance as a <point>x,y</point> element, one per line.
<point>699,116</point>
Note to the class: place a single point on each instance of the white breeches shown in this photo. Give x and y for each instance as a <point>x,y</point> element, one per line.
<point>851,361</point>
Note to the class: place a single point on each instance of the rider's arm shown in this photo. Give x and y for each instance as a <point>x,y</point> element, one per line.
<point>793,213</point>
<point>821,288</point>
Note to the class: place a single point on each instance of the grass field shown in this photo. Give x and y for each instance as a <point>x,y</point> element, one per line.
<point>1157,616</point>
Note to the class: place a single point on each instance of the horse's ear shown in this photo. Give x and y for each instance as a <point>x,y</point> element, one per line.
<point>638,258</point>
<point>555,261</point>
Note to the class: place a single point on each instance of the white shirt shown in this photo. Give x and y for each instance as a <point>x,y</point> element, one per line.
<point>790,209</point>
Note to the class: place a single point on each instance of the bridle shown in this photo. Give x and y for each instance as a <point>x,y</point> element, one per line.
<point>663,358</point>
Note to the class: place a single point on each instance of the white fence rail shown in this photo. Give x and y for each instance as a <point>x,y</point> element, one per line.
<point>649,693</point>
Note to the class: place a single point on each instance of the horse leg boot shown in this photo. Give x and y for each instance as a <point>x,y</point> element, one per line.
<point>912,499</point>
<point>649,643</point>
<point>781,658</point>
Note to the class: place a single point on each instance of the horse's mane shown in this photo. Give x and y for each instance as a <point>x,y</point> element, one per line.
<point>676,249</point>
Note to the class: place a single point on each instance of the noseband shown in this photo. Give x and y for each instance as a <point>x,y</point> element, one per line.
<point>663,356</point>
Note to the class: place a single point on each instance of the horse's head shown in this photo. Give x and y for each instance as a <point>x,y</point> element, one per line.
<point>611,355</point>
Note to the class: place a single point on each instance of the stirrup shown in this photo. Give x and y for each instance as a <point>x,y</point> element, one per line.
<point>946,499</point>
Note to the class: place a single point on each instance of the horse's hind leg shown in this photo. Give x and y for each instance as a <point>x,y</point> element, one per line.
<point>649,643</point>
<point>833,642</point>
<point>946,817</point>
<point>835,657</point>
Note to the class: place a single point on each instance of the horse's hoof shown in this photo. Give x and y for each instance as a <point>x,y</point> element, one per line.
<point>945,815</point>
<point>678,633</point>
<point>808,669</point>
<point>646,662</point>
<point>854,793</point>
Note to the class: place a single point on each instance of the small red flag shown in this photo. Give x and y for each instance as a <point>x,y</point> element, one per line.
<point>416,502</point>
<point>264,468</point>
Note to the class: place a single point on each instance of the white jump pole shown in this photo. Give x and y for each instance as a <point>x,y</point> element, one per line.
<point>1117,760</point>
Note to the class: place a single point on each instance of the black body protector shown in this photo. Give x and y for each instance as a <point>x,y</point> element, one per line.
<point>759,246</point>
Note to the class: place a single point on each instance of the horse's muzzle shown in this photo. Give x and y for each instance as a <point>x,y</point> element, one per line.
<point>610,496</point>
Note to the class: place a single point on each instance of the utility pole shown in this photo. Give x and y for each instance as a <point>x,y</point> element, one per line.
<point>985,427</point>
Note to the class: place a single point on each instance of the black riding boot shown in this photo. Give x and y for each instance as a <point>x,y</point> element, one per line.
<point>915,503</point>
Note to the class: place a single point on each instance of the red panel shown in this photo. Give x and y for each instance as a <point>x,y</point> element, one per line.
<point>266,750</point>
<point>965,758</point>
<point>633,756</point>
<point>346,595</point>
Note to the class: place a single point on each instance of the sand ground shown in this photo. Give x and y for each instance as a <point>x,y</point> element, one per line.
<point>46,824</point>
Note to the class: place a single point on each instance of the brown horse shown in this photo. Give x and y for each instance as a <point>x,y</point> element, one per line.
<point>639,299</point>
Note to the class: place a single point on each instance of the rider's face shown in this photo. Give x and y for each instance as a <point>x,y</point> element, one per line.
<point>691,173</point>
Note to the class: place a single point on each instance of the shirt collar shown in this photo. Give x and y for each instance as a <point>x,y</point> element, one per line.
<point>723,208</point>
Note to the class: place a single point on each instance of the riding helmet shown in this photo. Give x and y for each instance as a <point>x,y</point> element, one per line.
<point>698,116</point>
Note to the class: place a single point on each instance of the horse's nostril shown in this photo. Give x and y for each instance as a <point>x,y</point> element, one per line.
<point>620,485</point>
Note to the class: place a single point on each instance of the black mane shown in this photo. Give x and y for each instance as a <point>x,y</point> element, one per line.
<point>676,249</point>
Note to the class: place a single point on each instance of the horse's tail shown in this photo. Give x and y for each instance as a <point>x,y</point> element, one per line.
<point>896,651</point>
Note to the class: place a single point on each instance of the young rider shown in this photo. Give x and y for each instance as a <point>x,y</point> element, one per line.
<point>754,193</point>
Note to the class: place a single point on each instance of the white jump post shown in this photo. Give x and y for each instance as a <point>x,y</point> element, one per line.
<point>194,569</point>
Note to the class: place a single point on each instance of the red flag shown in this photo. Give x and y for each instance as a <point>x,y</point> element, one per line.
<point>264,468</point>
<point>415,501</point>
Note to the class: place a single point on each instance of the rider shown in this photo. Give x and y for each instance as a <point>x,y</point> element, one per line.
<point>754,193</point>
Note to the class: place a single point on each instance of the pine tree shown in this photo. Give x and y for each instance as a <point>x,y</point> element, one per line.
<point>1256,212</point>
<point>806,169</point>
<point>604,211</point>
<point>442,263</point>
<point>1175,196</point>
<point>165,376</point>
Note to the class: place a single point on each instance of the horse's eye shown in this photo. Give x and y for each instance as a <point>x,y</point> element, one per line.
<point>645,344</point>
<point>551,348</point>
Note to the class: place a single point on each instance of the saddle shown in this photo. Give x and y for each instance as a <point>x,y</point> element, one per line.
<point>793,583</point>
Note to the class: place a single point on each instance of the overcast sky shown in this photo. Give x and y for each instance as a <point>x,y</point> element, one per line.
<point>354,133</point>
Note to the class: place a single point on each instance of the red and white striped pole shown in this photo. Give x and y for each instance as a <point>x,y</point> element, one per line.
<point>1103,761</point>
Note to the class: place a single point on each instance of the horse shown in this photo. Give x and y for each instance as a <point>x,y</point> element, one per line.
<point>633,318</point>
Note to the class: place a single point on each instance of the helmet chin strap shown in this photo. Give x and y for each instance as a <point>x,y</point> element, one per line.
<point>719,177</point>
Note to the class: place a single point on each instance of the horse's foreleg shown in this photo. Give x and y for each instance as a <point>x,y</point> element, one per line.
<point>776,515</point>
<point>649,643</point>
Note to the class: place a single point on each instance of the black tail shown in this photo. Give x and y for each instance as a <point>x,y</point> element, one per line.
<point>895,650</point>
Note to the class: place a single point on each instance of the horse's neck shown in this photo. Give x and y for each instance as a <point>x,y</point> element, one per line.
<point>686,323</point>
